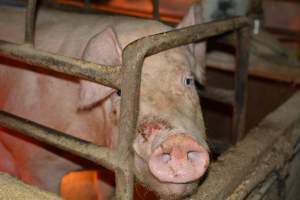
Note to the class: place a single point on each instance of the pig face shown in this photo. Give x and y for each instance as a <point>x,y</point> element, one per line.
<point>170,151</point>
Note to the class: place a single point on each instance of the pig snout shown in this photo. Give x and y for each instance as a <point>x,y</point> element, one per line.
<point>178,159</point>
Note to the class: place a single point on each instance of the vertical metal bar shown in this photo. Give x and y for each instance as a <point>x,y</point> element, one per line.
<point>130,87</point>
<point>255,8</point>
<point>155,4</point>
<point>241,78</point>
<point>87,3</point>
<point>30,21</point>
<point>133,56</point>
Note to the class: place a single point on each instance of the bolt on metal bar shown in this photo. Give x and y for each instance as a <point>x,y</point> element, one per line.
<point>98,154</point>
<point>103,74</point>
<point>30,21</point>
<point>241,79</point>
<point>133,58</point>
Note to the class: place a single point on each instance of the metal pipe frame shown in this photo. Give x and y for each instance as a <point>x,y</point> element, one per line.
<point>241,79</point>
<point>134,54</point>
<point>30,21</point>
<point>156,15</point>
<point>103,74</point>
<point>82,148</point>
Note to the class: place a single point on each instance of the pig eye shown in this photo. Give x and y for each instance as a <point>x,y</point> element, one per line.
<point>119,93</point>
<point>188,81</point>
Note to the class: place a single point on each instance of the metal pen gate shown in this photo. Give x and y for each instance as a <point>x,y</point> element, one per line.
<point>127,79</point>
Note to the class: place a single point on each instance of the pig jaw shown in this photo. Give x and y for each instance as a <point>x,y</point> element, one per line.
<point>167,160</point>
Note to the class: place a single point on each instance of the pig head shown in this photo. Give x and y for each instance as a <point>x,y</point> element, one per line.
<point>170,149</point>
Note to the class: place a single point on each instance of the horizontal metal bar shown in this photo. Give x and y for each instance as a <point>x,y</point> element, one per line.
<point>163,41</point>
<point>103,74</point>
<point>264,189</point>
<point>13,188</point>
<point>98,154</point>
<point>217,94</point>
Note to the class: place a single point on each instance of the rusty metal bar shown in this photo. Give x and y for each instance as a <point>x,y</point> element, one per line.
<point>167,40</point>
<point>98,154</point>
<point>155,4</point>
<point>13,188</point>
<point>241,78</point>
<point>103,74</point>
<point>133,58</point>
<point>30,21</point>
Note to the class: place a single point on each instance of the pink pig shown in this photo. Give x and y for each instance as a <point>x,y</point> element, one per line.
<point>170,149</point>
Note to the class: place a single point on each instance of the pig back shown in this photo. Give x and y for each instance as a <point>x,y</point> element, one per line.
<point>61,33</point>
<point>46,97</point>
<point>56,32</point>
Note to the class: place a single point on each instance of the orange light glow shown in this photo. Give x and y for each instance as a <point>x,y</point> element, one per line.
<point>80,185</point>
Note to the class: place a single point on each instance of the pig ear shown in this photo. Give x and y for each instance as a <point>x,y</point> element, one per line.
<point>195,50</point>
<point>102,48</point>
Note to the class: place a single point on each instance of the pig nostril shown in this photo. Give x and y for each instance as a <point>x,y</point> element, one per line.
<point>166,157</point>
<point>192,155</point>
<point>178,160</point>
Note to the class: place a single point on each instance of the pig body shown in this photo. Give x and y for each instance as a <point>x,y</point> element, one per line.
<point>170,148</point>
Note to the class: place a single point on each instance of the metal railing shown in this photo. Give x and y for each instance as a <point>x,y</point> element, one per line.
<point>127,79</point>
